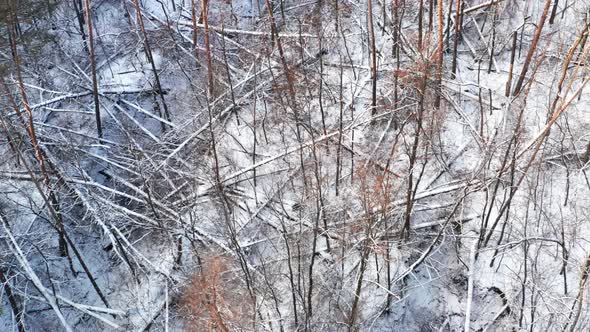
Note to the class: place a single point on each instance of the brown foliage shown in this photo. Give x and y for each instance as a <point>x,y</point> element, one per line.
<point>214,300</point>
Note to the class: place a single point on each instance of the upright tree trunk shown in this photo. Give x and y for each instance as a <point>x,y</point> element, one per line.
<point>194,21</point>
<point>373,58</point>
<point>341,109</point>
<point>456,38</point>
<point>412,159</point>
<point>554,11</point>
<point>210,89</point>
<point>352,319</point>
<point>420,18</point>
<point>439,55</point>
<point>430,15</point>
<point>93,68</point>
<point>448,29</point>
<point>511,68</point>
<point>277,38</point>
<point>493,46</point>
<point>585,158</point>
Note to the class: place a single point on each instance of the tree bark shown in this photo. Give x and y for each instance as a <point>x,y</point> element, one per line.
<point>531,51</point>
<point>373,58</point>
<point>63,247</point>
<point>511,68</point>
<point>210,88</point>
<point>149,55</point>
<point>80,18</point>
<point>439,54</point>
<point>14,303</point>
<point>456,38</point>
<point>93,69</point>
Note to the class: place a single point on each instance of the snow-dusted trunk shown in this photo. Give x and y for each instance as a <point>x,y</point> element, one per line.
<point>24,263</point>
<point>472,263</point>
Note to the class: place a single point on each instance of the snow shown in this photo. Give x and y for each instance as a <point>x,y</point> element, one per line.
<point>128,198</point>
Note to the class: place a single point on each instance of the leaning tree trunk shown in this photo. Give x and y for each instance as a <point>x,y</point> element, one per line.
<point>80,18</point>
<point>14,303</point>
<point>150,57</point>
<point>531,52</point>
<point>63,246</point>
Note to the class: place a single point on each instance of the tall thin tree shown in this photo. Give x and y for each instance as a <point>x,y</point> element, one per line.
<point>440,51</point>
<point>205,15</point>
<point>63,246</point>
<point>150,58</point>
<point>373,58</point>
<point>531,51</point>
<point>93,68</point>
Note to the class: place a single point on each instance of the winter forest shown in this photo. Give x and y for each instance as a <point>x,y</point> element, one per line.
<point>294,165</point>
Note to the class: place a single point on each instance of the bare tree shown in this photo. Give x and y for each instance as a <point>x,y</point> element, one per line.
<point>532,49</point>
<point>93,68</point>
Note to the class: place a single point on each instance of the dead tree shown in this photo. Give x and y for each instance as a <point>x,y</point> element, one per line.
<point>456,38</point>
<point>531,51</point>
<point>63,247</point>
<point>420,18</point>
<point>576,310</point>
<point>150,58</point>
<point>80,18</point>
<point>554,11</point>
<point>439,56</point>
<point>14,303</point>
<point>194,28</point>
<point>204,15</point>
<point>410,192</point>
<point>373,57</point>
<point>511,68</point>
<point>93,68</point>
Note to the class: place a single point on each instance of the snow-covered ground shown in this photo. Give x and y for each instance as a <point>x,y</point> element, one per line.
<point>274,200</point>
